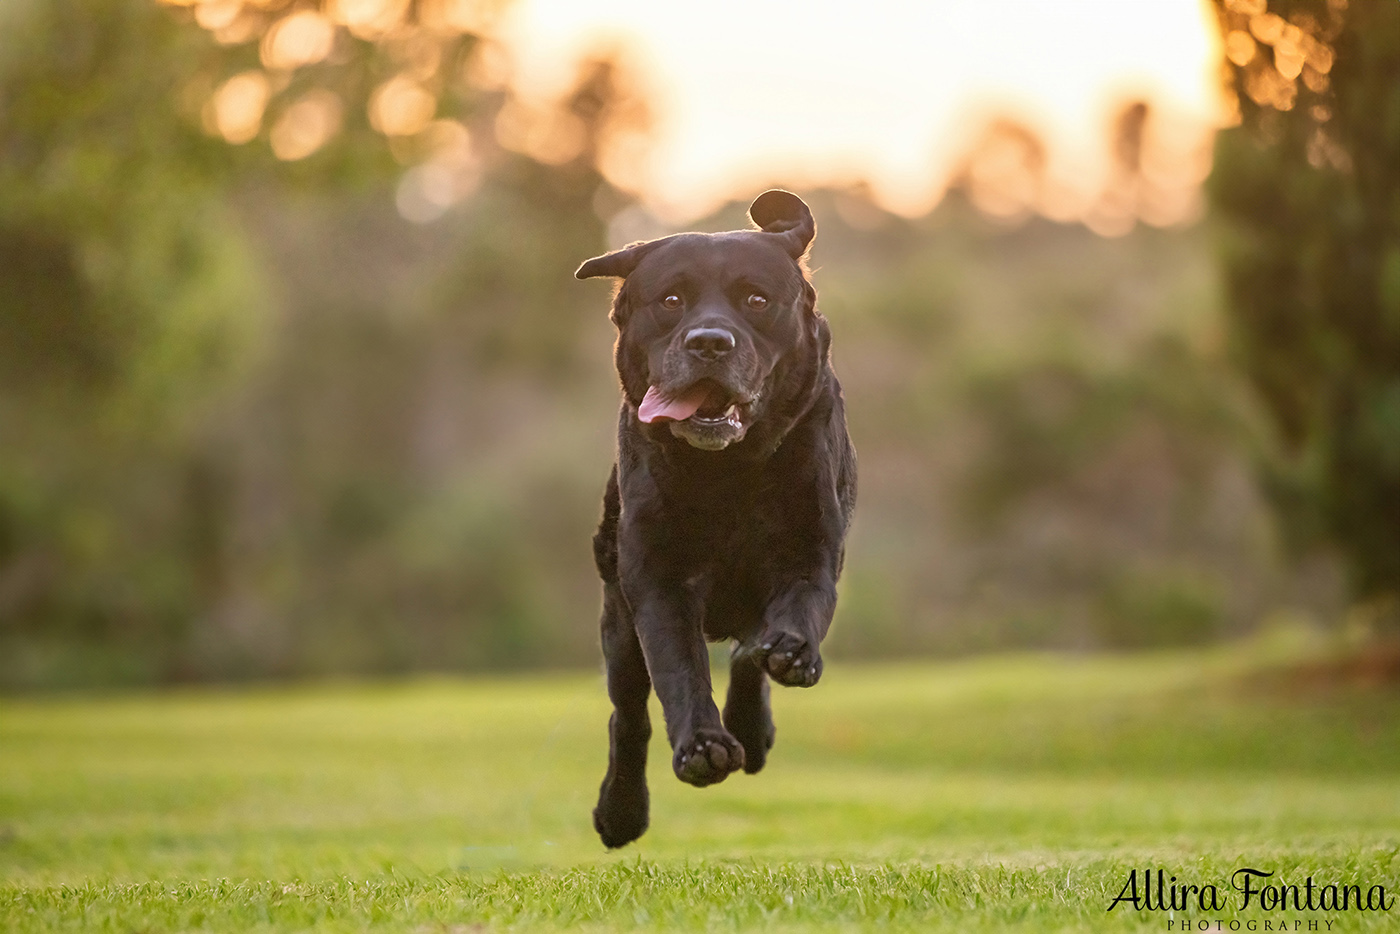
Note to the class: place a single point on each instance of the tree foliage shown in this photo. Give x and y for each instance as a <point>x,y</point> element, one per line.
<point>1308,188</point>
<point>172,503</point>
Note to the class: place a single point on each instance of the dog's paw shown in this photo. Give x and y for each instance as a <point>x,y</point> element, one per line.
<point>621,814</point>
<point>790,659</point>
<point>708,756</point>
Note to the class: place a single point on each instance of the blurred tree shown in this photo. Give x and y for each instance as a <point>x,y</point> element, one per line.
<point>128,298</point>
<point>1308,190</point>
<point>1135,455</point>
<point>239,368</point>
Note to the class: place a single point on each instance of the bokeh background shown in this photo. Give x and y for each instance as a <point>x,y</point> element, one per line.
<point>295,379</point>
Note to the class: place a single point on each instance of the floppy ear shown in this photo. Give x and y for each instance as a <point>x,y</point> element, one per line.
<point>785,215</point>
<point>618,262</point>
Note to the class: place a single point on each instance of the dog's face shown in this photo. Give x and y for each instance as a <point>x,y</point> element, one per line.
<point>713,329</point>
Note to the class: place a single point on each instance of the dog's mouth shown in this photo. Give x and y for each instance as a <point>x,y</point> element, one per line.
<point>704,414</point>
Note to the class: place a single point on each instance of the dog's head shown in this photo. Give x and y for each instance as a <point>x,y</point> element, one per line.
<point>719,332</point>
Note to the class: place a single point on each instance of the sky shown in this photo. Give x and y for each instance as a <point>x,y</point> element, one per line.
<point>750,93</point>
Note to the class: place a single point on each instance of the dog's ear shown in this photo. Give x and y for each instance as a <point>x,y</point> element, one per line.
<point>619,262</point>
<point>785,215</point>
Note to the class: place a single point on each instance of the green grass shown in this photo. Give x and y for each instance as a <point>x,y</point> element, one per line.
<point>984,795</point>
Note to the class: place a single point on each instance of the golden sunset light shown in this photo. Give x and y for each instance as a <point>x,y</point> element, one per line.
<point>887,93</point>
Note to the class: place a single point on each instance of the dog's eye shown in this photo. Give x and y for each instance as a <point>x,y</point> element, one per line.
<point>757,302</point>
<point>671,302</point>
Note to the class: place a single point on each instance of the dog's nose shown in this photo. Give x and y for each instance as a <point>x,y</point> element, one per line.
<point>709,343</point>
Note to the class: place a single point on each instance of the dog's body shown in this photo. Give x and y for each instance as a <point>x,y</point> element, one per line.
<point>726,513</point>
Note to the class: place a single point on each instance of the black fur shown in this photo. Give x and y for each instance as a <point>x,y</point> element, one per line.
<point>713,529</point>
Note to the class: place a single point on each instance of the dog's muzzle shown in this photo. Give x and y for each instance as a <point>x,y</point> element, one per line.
<point>704,414</point>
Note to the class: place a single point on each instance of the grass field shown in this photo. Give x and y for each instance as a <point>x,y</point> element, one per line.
<point>1009,793</point>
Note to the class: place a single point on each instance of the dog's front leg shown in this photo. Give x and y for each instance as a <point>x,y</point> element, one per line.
<point>669,625</point>
<point>795,622</point>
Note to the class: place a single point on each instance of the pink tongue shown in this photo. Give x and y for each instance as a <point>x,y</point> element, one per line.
<point>656,406</point>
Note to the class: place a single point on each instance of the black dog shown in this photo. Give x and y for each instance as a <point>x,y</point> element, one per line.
<point>726,512</point>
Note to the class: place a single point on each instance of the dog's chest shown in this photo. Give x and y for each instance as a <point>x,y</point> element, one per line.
<point>739,531</point>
